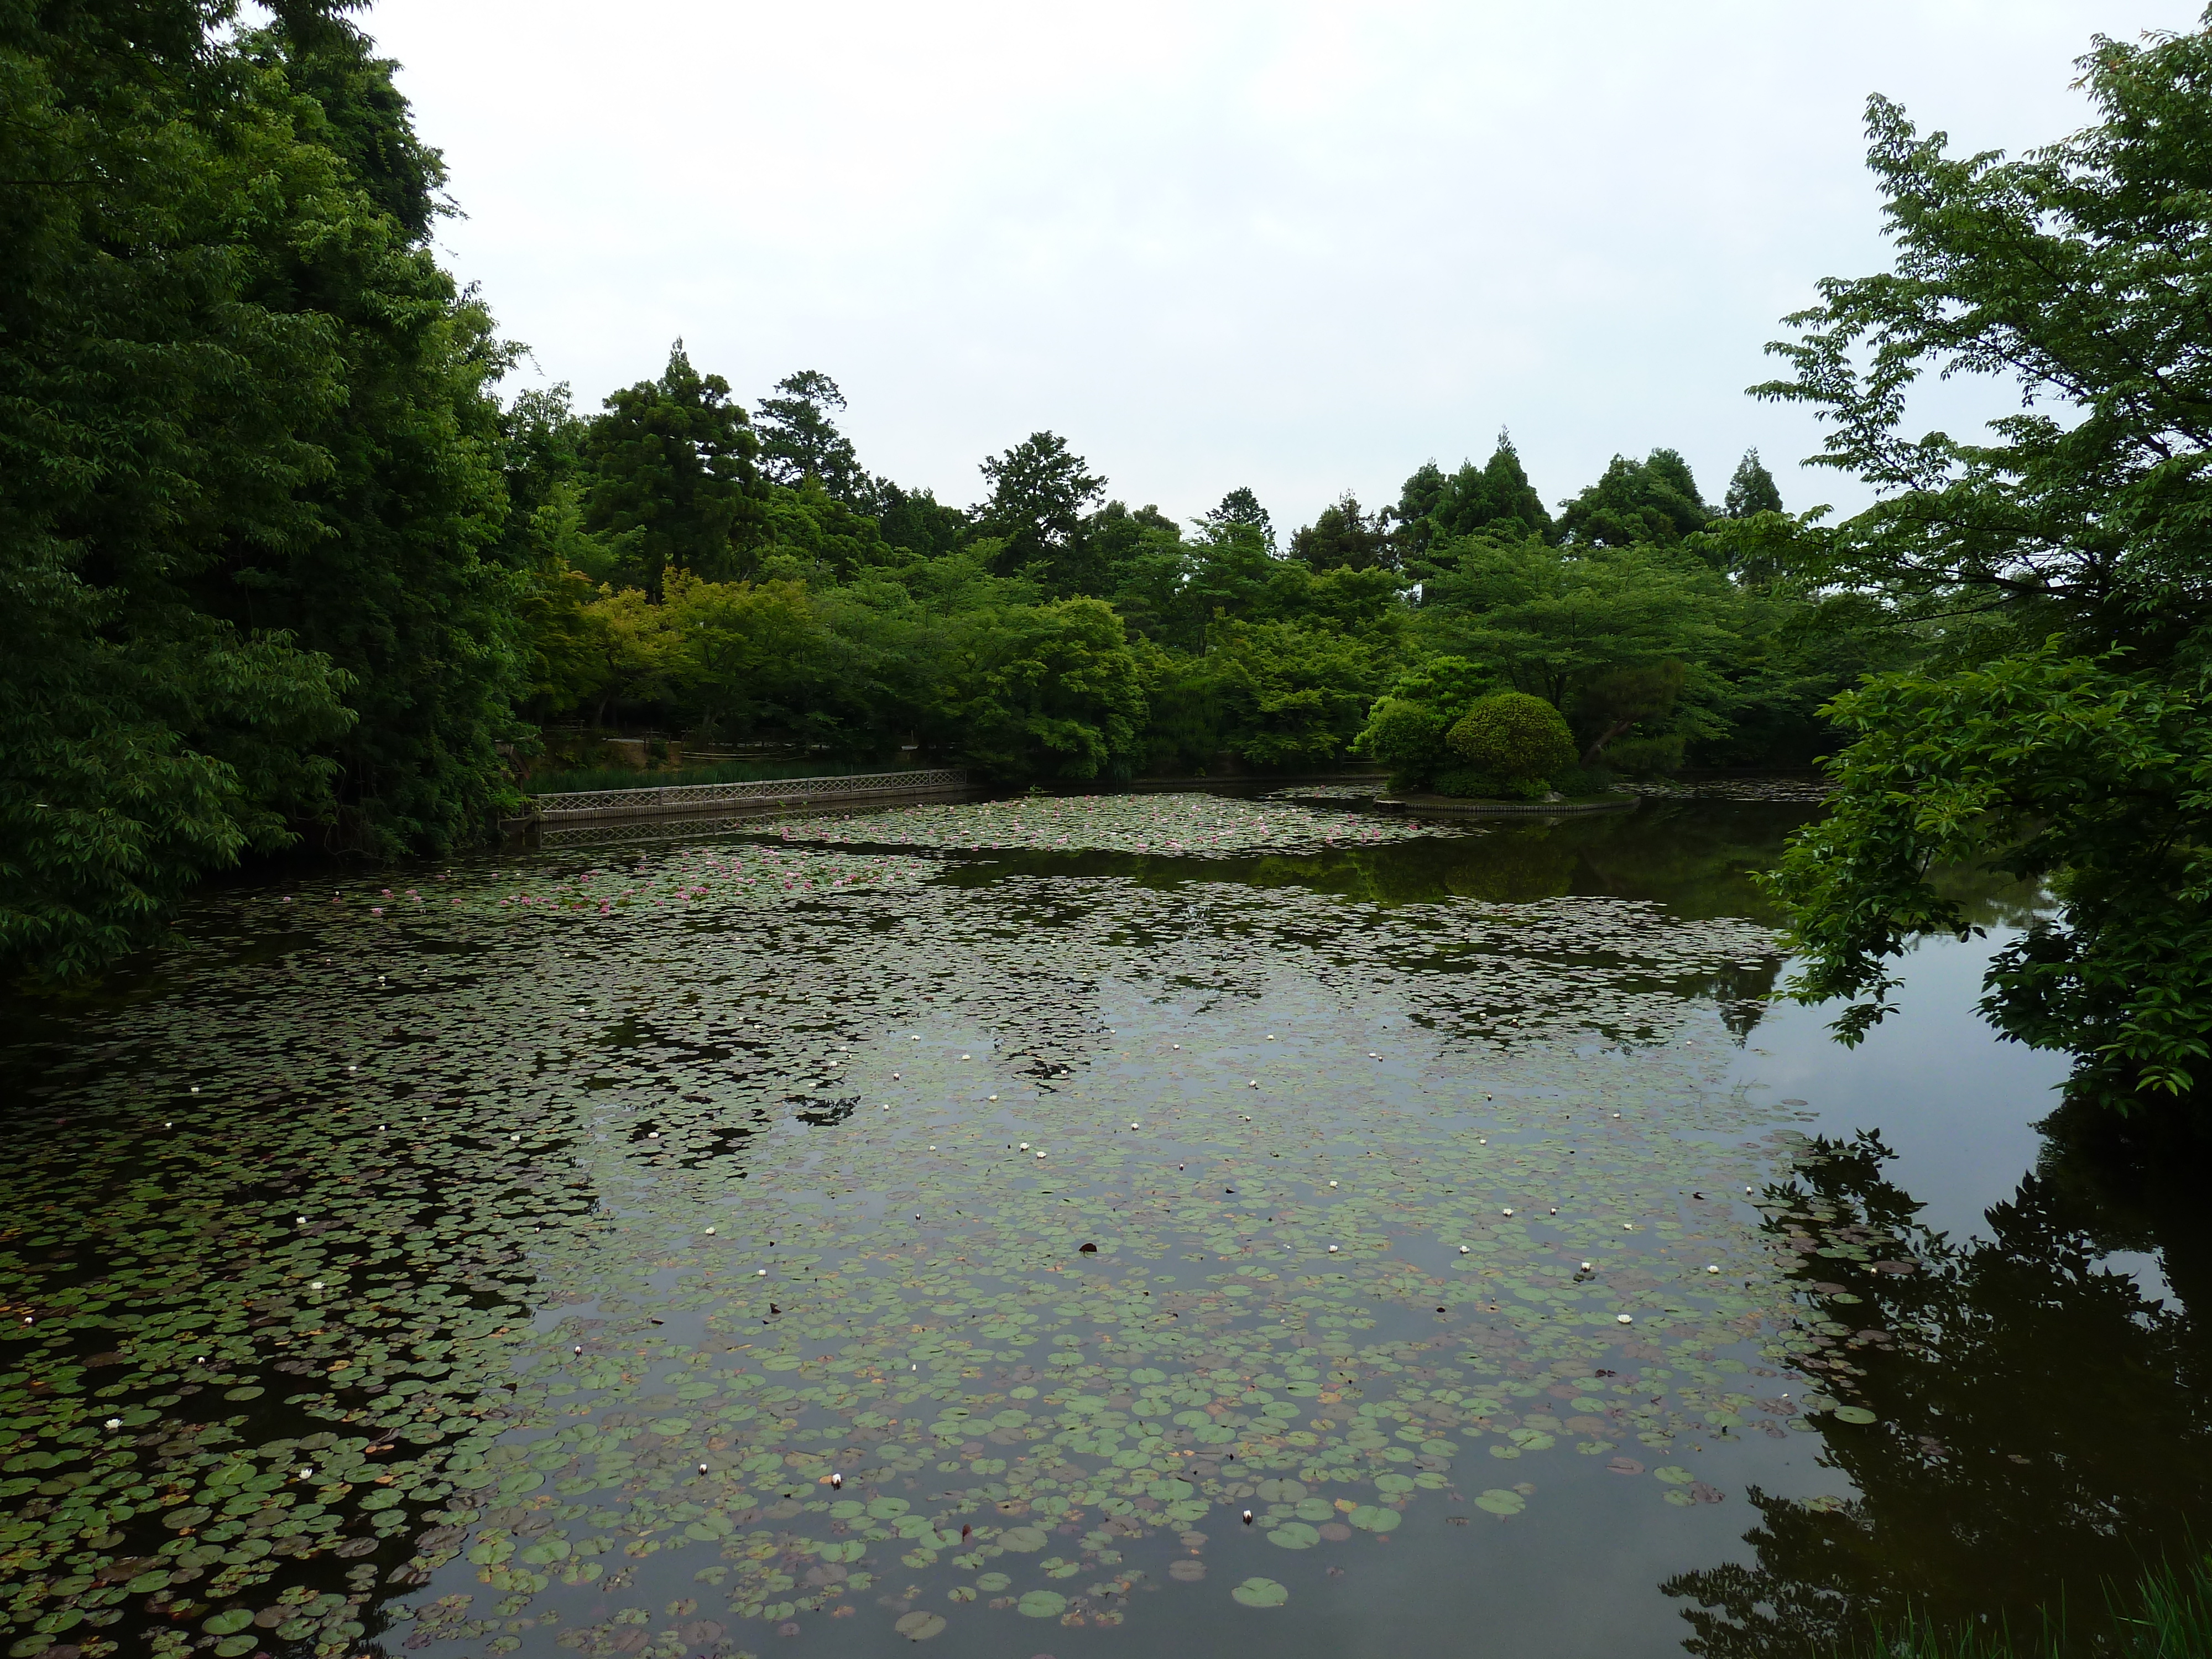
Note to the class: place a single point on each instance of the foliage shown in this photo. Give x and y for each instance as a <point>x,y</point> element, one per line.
<point>1556,622</point>
<point>1241,507</point>
<point>1039,490</point>
<point>1052,690</point>
<point>671,460</point>
<point>2047,766</point>
<point>250,501</point>
<point>2165,1614</point>
<point>1290,695</point>
<point>1751,490</point>
<point>1519,740</point>
<point>2059,563</point>
<point>749,656</point>
<point>797,441</point>
<point>1343,537</point>
<point>1622,698</point>
<point>914,522</point>
<point>1433,509</point>
<point>1408,737</point>
<point>1654,501</point>
<point>1480,783</point>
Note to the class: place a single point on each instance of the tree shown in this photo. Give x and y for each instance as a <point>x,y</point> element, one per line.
<point>1040,490</point>
<point>672,459</point>
<point>1290,695</point>
<point>1343,537</point>
<point>1433,509</point>
<point>1406,727</point>
<point>2060,736</point>
<point>1047,690</point>
<point>1551,621</point>
<point>1618,701</point>
<point>1417,500</point>
<point>752,657</point>
<point>1241,507</point>
<point>1111,540</point>
<point>251,514</point>
<point>913,522</point>
<point>798,441</point>
<point>1515,744</point>
<point>1750,489</point>
<point>1654,500</point>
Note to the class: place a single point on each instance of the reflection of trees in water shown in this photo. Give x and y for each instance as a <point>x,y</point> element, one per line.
<point>1740,993</point>
<point>2042,1427</point>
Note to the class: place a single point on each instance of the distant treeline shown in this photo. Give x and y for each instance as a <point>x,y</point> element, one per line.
<point>280,563</point>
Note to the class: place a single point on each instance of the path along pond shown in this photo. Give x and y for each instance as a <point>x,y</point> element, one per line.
<point>947,1225</point>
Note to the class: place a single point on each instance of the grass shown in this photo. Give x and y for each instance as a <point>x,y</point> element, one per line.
<point>625,777</point>
<point>2167,1616</point>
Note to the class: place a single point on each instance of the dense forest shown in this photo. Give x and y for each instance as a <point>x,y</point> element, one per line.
<point>284,563</point>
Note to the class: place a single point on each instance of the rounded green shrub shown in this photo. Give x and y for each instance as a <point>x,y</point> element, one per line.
<point>1406,737</point>
<point>1519,739</point>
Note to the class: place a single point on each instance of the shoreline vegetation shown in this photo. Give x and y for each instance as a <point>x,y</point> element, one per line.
<point>352,613</point>
<point>287,568</point>
<point>2167,1613</point>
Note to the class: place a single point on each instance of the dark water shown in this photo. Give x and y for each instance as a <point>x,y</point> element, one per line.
<point>417,1203</point>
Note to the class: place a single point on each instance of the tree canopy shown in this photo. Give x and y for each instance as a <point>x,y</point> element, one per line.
<point>286,564</point>
<point>2056,565</point>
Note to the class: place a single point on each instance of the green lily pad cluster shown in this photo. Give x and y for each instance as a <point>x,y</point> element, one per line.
<point>1182,825</point>
<point>811,1243</point>
<point>1808,790</point>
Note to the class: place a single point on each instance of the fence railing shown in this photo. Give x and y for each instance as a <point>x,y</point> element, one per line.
<point>683,796</point>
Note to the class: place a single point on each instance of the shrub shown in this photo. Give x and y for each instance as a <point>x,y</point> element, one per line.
<point>1516,737</point>
<point>1472,782</point>
<point>1406,737</point>
<point>1641,757</point>
<point>1579,781</point>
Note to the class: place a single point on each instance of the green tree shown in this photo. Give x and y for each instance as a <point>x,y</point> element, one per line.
<point>1618,701</point>
<point>1406,727</point>
<point>2060,734</point>
<point>1241,507</point>
<point>1288,695</point>
<point>1433,509</point>
<point>1750,489</point>
<point>1416,501</point>
<point>1550,620</point>
<point>1653,502</point>
<point>1344,537</point>
<point>753,659</point>
<point>672,460</point>
<point>1515,744</point>
<point>1048,691</point>
<point>1111,541</point>
<point>798,440</point>
<point>252,505</point>
<point>913,522</point>
<point>1040,489</point>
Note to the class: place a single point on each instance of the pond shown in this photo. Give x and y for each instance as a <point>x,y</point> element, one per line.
<point>1134,1224</point>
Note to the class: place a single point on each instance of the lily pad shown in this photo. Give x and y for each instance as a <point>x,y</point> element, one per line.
<point>1261,1593</point>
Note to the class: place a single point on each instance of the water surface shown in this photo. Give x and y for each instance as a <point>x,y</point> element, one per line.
<point>654,1254</point>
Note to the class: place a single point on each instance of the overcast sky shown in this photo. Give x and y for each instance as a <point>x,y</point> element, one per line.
<point>1297,247</point>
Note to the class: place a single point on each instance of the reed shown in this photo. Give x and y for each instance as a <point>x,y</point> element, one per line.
<point>2166,1615</point>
